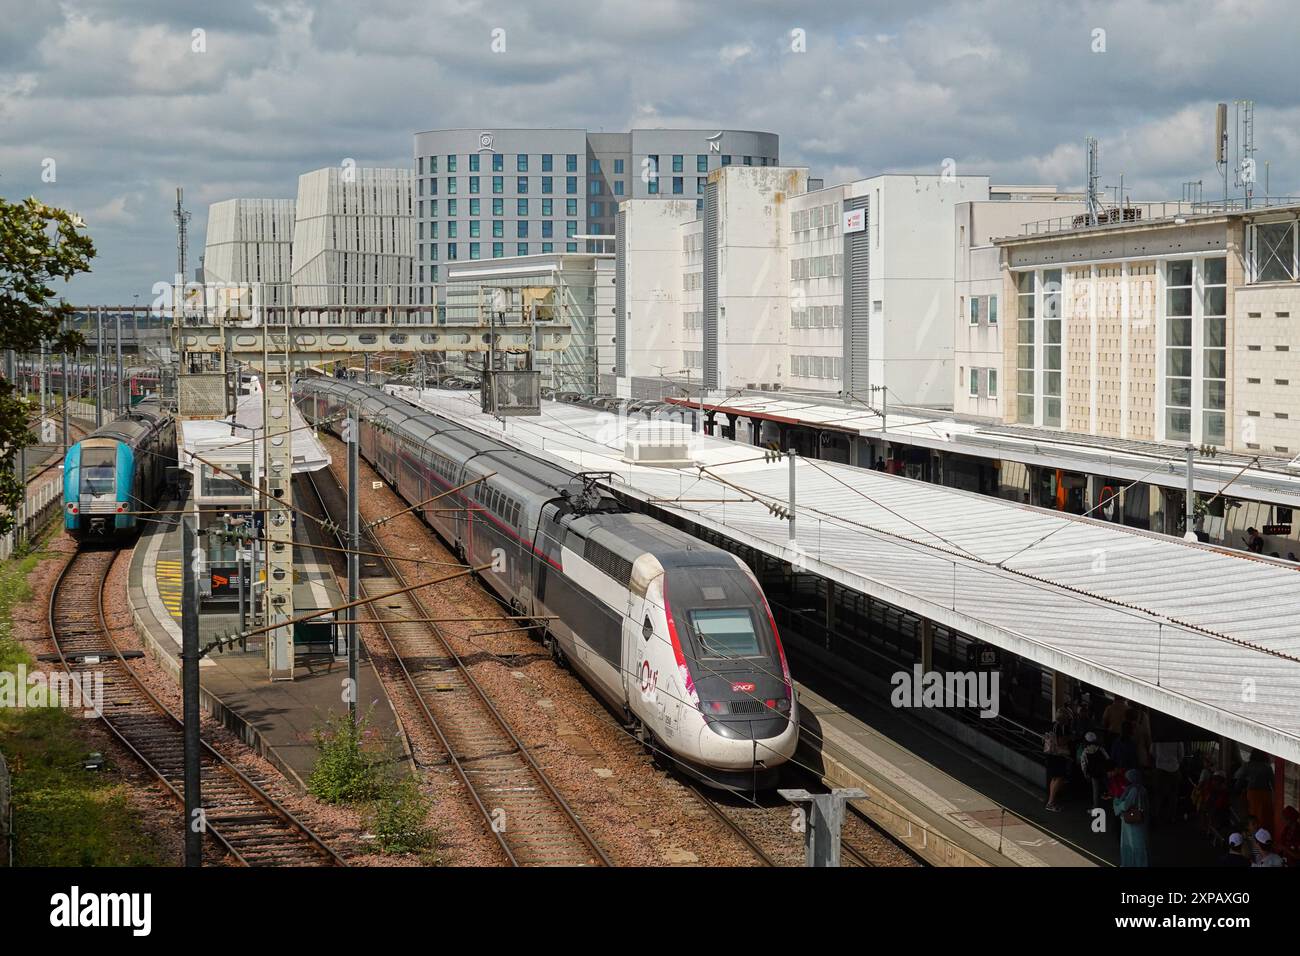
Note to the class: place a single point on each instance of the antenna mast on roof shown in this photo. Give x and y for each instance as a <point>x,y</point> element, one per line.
<point>1094,179</point>
<point>182,241</point>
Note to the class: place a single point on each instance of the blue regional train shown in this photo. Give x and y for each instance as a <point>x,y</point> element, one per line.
<point>117,469</point>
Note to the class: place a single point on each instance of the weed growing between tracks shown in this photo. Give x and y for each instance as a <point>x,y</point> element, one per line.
<point>347,772</point>
<point>64,815</point>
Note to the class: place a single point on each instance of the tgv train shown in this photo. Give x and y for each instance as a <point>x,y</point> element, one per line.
<point>117,469</point>
<point>674,633</point>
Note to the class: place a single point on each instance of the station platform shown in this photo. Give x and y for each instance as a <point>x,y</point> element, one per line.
<point>277,719</point>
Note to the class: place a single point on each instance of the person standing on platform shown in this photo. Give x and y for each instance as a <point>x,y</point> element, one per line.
<point>1112,719</point>
<point>1238,854</point>
<point>1133,807</point>
<point>1255,776</point>
<point>1056,745</point>
<point>1095,764</point>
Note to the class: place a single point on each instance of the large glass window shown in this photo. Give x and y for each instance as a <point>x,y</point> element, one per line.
<point>498,207</point>
<point>498,228</point>
<point>723,633</point>
<point>1273,252</point>
<point>521,207</point>
<point>571,163</point>
<point>451,164</point>
<point>1025,345</point>
<point>547,206</point>
<point>571,207</point>
<point>451,206</point>
<point>498,250</point>
<point>1214,353</point>
<point>473,228</point>
<point>677,185</point>
<point>1052,347</point>
<point>547,183</point>
<point>548,162</point>
<point>521,163</point>
<point>677,164</point>
<point>498,184</point>
<point>473,207</point>
<point>522,185</point>
<point>473,184</point>
<point>1178,350</point>
<point>451,185</point>
<point>473,163</point>
<point>571,184</point>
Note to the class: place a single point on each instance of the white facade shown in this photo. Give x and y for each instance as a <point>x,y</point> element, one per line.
<point>662,281</point>
<point>353,241</point>
<point>250,242</point>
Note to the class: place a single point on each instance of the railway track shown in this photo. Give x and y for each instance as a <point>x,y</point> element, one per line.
<point>530,820</point>
<point>245,820</point>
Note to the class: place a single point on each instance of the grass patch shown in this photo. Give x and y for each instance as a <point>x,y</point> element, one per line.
<point>63,815</point>
<point>346,772</point>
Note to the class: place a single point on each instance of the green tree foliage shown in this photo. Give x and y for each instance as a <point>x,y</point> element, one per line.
<point>39,244</point>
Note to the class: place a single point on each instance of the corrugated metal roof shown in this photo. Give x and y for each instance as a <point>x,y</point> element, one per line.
<point>1206,634</point>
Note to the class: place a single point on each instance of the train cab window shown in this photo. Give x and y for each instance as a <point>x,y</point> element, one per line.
<point>98,470</point>
<point>726,632</point>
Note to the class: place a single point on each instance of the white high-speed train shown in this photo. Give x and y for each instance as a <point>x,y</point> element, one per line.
<point>673,632</point>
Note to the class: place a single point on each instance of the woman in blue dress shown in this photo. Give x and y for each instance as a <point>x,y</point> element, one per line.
<point>1132,807</point>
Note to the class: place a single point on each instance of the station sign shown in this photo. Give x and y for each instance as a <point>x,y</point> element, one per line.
<point>983,656</point>
<point>1281,529</point>
<point>855,220</point>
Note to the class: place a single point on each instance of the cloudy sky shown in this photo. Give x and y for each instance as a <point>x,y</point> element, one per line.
<point>118,103</point>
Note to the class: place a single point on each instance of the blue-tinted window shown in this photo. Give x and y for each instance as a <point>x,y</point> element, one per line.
<point>594,166</point>
<point>548,247</point>
<point>571,228</point>
<point>498,250</point>
<point>433,231</point>
<point>433,275</point>
<point>726,159</point>
<point>521,207</point>
<point>451,206</point>
<point>571,184</point>
<point>547,182</point>
<point>419,165</point>
<point>548,229</point>
<point>498,184</point>
<point>546,207</point>
<point>570,207</point>
<point>498,228</point>
<point>433,251</point>
<point>433,164</point>
<point>677,185</point>
<point>473,163</point>
<point>618,187</point>
<point>433,187</point>
<point>677,164</point>
<point>571,163</point>
<point>498,162</point>
<point>451,250</point>
<point>451,185</point>
<point>652,186</point>
<point>473,184</point>
<point>594,210</point>
<point>593,187</point>
<point>521,229</point>
<point>702,162</point>
<point>521,248</point>
<point>452,225</point>
<point>699,205</point>
<point>749,160</point>
<point>498,207</point>
<point>570,247</point>
<point>699,185</point>
<point>473,250</point>
<point>433,208</point>
<point>521,163</point>
<point>618,167</point>
<point>473,228</point>
<point>451,164</point>
<point>473,207</point>
<point>547,162</point>
<point>522,185</point>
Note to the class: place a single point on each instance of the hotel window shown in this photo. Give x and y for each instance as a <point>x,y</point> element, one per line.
<point>571,229</point>
<point>451,206</point>
<point>433,250</point>
<point>571,163</point>
<point>498,184</point>
<point>548,162</point>
<point>1025,358</point>
<point>498,228</point>
<point>548,247</point>
<point>1178,350</point>
<point>993,383</point>
<point>726,159</point>
<point>498,163</point>
<point>451,248</point>
<point>473,184</point>
<point>699,185</point>
<point>433,187</point>
<point>593,187</point>
<point>974,383</point>
<point>749,160</point>
<point>677,185</point>
<point>433,208</point>
<point>473,163</point>
<point>521,163</point>
<point>521,249</point>
<point>451,164</point>
<point>618,187</point>
<point>548,229</point>
<point>1273,252</point>
<point>677,164</point>
<point>433,164</point>
<point>974,310</point>
<point>451,229</point>
<point>993,310</point>
<point>473,207</point>
<point>521,229</point>
<point>618,167</point>
<point>521,207</point>
<point>570,184</point>
<point>652,186</point>
<point>473,250</point>
<point>571,207</point>
<point>498,207</point>
<point>594,210</point>
<point>547,206</point>
<point>593,166</point>
<point>433,231</point>
<point>522,185</point>
<point>570,247</point>
<point>473,228</point>
<point>547,184</point>
<point>498,250</point>
<point>702,162</point>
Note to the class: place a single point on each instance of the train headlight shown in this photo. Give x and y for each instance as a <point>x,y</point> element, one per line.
<point>715,707</point>
<point>781,706</point>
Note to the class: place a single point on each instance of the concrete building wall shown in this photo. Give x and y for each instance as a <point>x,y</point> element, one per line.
<point>250,241</point>
<point>816,269</point>
<point>654,285</point>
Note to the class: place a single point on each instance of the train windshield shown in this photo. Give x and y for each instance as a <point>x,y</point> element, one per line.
<point>726,633</point>
<point>98,470</point>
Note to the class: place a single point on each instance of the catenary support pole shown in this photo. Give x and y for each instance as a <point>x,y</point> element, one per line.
<point>823,822</point>
<point>1189,498</point>
<point>190,692</point>
<point>793,536</point>
<point>99,367</point>
<point>354,559</point>
<point>121,405</point>
<point>65,402</point>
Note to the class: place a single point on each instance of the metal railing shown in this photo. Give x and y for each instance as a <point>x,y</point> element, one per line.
<point>1136,213</point>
